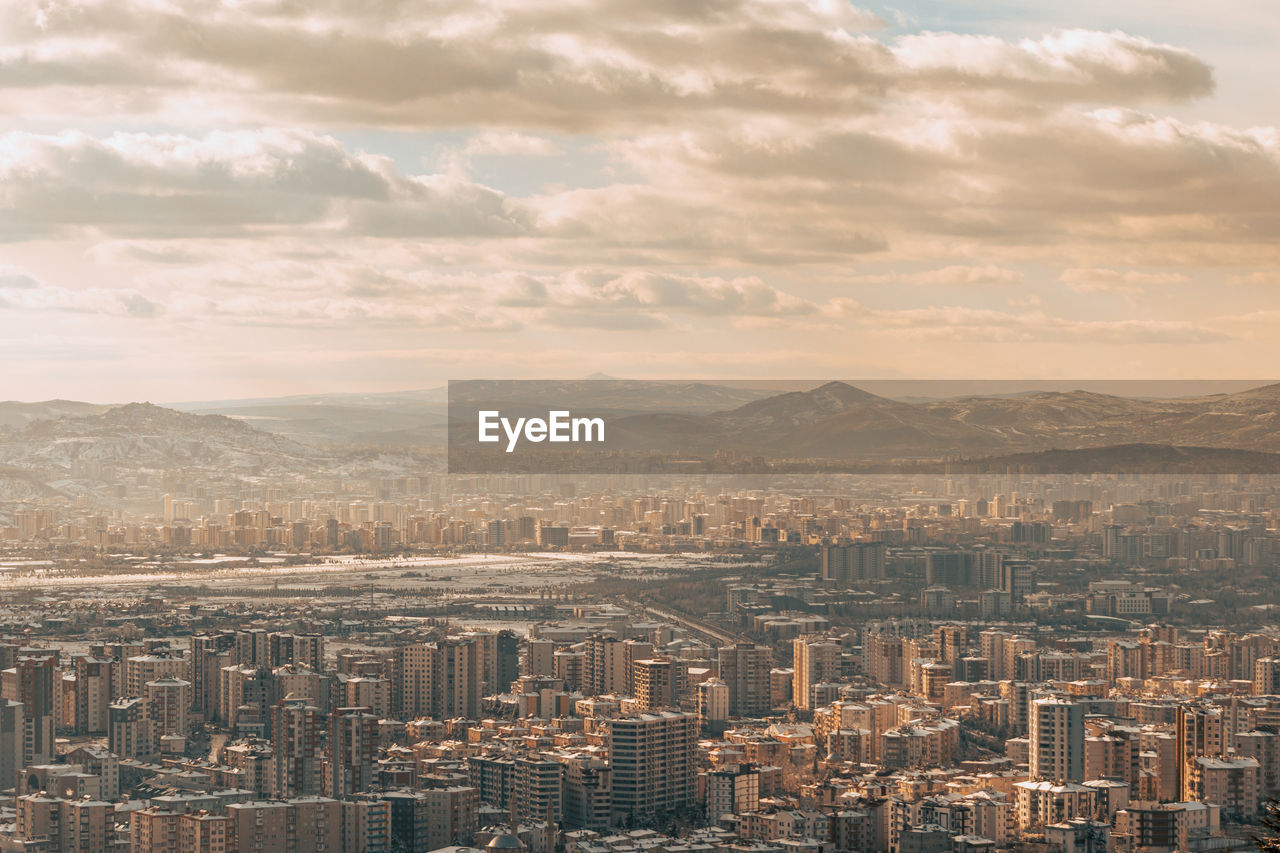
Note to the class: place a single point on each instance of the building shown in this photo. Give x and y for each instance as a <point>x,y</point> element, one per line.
<point>129,728</point>
<point>605,667</point>
<point>169,706</point>
<point>588,792</point>
<point>732,790</point>
<point>538,788</point>
<point>154,830</point>
<point>655,684</point>
<point>1165,827</point>
<point>201,832</point>
<point>94,690</point>
<point>713,704</point>
<point>1056,731</point>
<point>426,820</point>
<point>744,668</point>
<point>12,730</point>
<point>1231,783</point>
<point>1039,803</point>
<point>815,660</point>
<point>295,748</point>
<point>352,748</point>
<point>847,563</point>
<point>31,682</point>
<point>366,826</point>
<point>654,759</point>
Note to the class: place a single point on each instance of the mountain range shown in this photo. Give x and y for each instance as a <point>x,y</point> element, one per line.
<point>841,421</point>
<point>96,454</point>
<point>73,448</point>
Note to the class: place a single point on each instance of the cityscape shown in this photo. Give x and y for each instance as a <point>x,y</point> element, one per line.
<point>673,426</point>
<point>613,664</point>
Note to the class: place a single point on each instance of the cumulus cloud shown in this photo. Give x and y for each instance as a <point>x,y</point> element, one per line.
<point>426,63</point>
<point>1145,187</point>
<point>509,143</point>
<point>13,278</point>
<point>578,297</point>
<point>785,167</point>
<point>956,275</point>
<point>1071,65</point>
<point>1123,283</point>
<point>228,182</point>
<point>1036,327</point>
<point>22,292</point>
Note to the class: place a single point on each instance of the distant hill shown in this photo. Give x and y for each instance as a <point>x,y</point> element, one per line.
<point>1126,458</point>
<point>606,395</point>
<point>89,455</point>
<point>843,423</point>
<point>16,414</point>
<point>82,445</point>
<point>145,436</point>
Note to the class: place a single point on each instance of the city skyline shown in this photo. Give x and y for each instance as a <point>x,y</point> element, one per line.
<point>264,198</point>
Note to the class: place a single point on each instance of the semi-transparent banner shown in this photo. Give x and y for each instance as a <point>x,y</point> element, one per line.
<point>612,426</point>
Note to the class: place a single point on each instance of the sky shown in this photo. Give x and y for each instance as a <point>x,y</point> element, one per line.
<point>204,199</point>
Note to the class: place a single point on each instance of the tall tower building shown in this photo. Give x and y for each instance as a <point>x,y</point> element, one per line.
<point>713,704</point>
<point>1057,740</point>
<point>209,654</point>
<point>458,679</point>
<point>295,748</point>
<point>30,682</point>
<point>1200,734</point>
<point>654,758</point>
<point>129,728</point>
<point>655,684</point>
<point>744,668</point>
<point>413,687</point>
<point>604,669</point>
<point>11,739</point>
<point>847,563</point>
<point>353,745</point>
<point>94,691</point>
<point>539,789</point>
<point>816,660</point>
<point>169,705</point>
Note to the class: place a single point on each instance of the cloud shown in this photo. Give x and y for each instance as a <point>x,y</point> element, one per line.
<point>1256,277</point>
<point>772,176</point>
<point>1065,66</point>
<point>708,295</point>
<point>1128,283</point>
<point>1034,327</point>
<point>1147,189</point>
<point>21,292</point>
<point>956,275</point>
<point>497,143</point>
<point>515,63</point>
<point>231,182</point>
<point>13,278</point>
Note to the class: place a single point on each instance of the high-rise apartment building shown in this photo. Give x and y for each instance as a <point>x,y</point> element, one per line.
<point>847,563</point>
<point>296,748</point>
<point>352,748</point>
<point>744,668</point>
<point>654,759</point>
<point>1057,740</point>
<point>31,682</point>
<point>816,660</point>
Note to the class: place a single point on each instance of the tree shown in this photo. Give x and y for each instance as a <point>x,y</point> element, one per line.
<point>1271,820</point>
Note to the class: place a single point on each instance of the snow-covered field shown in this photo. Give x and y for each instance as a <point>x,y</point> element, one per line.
<point>467,572</point>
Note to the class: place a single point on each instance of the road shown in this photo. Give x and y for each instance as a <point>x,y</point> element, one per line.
<point>723,637</point>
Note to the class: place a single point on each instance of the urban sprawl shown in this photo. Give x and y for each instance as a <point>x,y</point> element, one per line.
<point>613,665</point>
